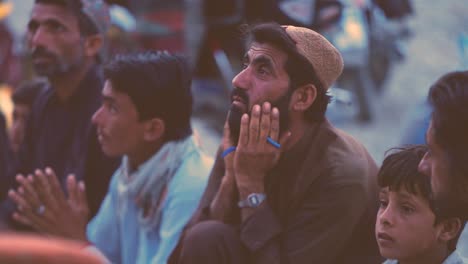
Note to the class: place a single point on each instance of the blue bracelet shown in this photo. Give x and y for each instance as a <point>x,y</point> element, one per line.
<point>273,143</point>
<point>227,151</point>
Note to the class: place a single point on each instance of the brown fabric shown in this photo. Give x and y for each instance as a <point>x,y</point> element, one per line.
<point>213,242</point>
<point>321,203</point>
<point>19,249</point>
<point>325,58</point>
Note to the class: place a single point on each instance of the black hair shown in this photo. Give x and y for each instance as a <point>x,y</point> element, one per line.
<point>299,69</point>
<point>27,91</point>
<point>158,83</point>
<point>400,171</point>
<point>448,97</point>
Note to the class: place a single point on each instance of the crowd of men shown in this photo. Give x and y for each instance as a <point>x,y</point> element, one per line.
<point>103,154</point>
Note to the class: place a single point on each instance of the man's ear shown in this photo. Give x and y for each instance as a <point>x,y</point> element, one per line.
<point>303,97</point>
<point>450,229</point>
<point>93,44</point>
<point>154,129</point>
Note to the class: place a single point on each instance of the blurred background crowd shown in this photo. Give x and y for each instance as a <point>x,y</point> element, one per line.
<point>393,51</point>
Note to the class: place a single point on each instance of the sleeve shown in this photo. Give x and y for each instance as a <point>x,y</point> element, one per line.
<point>103,230</point>
<point>320,227</point>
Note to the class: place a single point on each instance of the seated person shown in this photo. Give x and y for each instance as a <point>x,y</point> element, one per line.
<point>23,98</point>
<point>5,158</point>
<point>409,228</point>
<point>145,116</point>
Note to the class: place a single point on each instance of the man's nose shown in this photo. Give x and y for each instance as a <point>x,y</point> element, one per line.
<point>97,116</point>
<point>241,80</point>
<point>424,165</point>
<point>38,37</point>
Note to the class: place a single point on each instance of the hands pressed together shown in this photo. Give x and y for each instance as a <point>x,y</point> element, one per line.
<point>255,153</point>
<point>42,204</point>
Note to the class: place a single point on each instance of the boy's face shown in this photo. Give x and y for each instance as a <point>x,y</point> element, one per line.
<point>405,225</point>
<point>120,131</point>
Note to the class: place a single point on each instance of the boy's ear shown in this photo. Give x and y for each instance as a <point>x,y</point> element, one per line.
<point>154,129</point>
<point>93,45</point>
<point>303,97</point>
<point>450,229</point>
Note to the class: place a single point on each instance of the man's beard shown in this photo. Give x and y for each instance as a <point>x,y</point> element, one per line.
<point>448,204</point>
<point>236,113</point>
<point>55,65</point>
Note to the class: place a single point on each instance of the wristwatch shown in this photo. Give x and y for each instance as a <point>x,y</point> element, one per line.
<point>252,201</point>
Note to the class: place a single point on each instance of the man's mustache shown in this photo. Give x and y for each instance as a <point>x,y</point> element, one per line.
<point>41,52</point>
<point>240,93</point>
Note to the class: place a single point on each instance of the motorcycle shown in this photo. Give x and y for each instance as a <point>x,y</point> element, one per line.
<point>360,30</point>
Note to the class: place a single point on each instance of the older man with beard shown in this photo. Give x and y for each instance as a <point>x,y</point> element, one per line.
<point>65,38</point>
<point>286,187</point>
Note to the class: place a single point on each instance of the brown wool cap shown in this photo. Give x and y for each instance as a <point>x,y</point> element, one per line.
<point>323,56</point>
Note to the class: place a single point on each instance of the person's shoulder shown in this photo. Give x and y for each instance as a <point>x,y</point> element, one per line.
<point>348,159</point>
<point>193,172</point>
<point>455,258</point>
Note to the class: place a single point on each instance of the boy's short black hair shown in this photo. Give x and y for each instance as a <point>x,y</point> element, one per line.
<point>159,84</point>
<point>400,171</point>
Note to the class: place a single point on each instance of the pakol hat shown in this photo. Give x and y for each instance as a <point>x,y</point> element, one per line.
<point>324,57</point>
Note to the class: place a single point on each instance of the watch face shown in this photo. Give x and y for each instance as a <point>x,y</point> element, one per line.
<point>253,199</point>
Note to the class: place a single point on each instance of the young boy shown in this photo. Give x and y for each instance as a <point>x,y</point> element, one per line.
<point>409,229</point>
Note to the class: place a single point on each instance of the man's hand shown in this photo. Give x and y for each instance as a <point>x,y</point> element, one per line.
<point>254,155</point>
<point>42,205</point>
<point>225,201</point>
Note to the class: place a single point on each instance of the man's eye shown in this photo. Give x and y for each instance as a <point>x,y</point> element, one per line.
<point>55,26</point>
<point>383,204</point>
<point>113,109</point>
<point>245,65</point>
<point>262,71</point>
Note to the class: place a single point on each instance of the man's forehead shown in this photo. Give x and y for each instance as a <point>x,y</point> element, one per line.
<point>53,12</point>
<point>266,50</point>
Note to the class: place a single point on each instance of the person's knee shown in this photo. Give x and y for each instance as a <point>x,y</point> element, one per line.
<point>208,234</point>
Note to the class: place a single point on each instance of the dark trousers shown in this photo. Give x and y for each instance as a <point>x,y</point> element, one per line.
<point>212,242</point>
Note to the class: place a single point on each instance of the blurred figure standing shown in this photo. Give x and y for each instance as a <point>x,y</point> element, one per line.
<point>65,38</point>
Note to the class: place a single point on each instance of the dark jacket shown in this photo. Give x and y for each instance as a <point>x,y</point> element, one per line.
<point>61,135</point>
<point>321,203</point>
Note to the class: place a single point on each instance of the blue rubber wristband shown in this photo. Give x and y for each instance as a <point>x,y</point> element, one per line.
<point>227,151</point>
<point>273,143</point>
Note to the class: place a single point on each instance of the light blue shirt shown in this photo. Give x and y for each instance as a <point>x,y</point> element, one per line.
<point>454,258</point>
<point>116,230</point>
